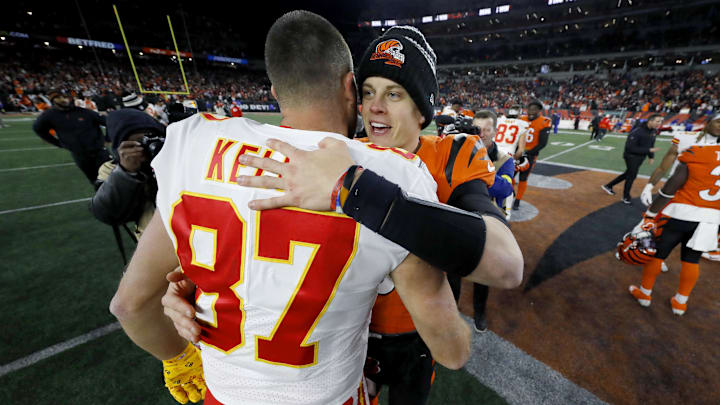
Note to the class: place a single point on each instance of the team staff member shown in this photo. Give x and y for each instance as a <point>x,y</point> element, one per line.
<point>686,212</point>
<point>537,138</point>
<point>639,144</point>
<point>396,107</point>
<point>77,130</point>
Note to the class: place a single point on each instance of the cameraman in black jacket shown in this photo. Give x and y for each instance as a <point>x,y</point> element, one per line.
<point>640,143</point>
<point>127,185</point>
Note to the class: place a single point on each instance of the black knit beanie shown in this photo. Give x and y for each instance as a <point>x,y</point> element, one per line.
<point>404,56</point>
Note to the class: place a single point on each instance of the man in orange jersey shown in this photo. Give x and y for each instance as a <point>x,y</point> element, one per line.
<point>687,211</point>
<point>537,138</point>
<point>396,106</point>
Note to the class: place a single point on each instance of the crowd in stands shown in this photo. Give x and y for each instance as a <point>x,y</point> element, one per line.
<point>692,90</point>
<point>22,86</point>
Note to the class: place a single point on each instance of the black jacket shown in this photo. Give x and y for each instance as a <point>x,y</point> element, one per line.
<point>640,140</point>
<point>77,129</point>
<point>123,197</point>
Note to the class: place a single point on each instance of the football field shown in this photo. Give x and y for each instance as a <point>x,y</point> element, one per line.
<point>59,268</point>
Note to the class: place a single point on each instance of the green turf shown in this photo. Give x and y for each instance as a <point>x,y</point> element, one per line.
<point>59,268</point>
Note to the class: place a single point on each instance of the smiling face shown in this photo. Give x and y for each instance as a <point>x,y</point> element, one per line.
<point>533,112</point>
<point>390,115</point>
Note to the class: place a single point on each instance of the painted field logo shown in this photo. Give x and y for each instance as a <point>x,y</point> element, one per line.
<point>389,50</point>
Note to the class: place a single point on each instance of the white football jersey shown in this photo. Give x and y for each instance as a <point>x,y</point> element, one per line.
<point>509,131</point>
<point>447,110</point>
<point>285,294</point>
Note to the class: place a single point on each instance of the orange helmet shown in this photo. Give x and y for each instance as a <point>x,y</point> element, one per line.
<point>635,252</point>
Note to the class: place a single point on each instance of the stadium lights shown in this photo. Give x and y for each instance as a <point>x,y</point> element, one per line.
<point>113,51</point>
<point>376,23</point>
<point>46,43</point>
<point>141,54</point>
<point>29,13</point>
<point>232,63</point>
<point>502,9</point>
<point>190,59</point>
<point>389,23</point>
<point>2,38</point>
<point>441,17</point>
<point>484,11</point>
<point>427,19</point>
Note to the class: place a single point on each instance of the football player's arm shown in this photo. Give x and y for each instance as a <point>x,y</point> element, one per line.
<point>521,144</point>
<point>136,303</point>
<point>673,184</point>
<point>665,165</point>
<point>543,137</point>
<point>41,126</point>
<point>426,294</point>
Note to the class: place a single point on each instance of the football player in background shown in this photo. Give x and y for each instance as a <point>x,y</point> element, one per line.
<point>452,111</point>
<point>537,138</point>
<point>275,333</point>
<point>396,106</point>
<point>686,211</point>
<point>511,136</point>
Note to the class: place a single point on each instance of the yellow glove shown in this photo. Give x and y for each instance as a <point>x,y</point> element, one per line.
<point>184,375</point>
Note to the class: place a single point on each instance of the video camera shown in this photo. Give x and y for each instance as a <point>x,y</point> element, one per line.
<point>459,125</point>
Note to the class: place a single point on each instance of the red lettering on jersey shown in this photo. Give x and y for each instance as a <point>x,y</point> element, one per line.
<point>278,234</point>
<point>245,148</point>
<point>215,170</point>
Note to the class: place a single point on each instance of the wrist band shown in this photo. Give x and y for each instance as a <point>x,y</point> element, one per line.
<point>665,195</point>
<point>335,196</point>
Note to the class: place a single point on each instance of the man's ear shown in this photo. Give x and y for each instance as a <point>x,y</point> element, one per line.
<point>273,92</point>
<point>349,87</point>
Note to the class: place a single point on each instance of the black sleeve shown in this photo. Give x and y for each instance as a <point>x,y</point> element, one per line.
<point>544,135</point>
<point>120,198</point>
<point>99,118</point>
<point>41,126</point>
<point>651,155</point>
<point>419,226</point>
<point>474,196</point>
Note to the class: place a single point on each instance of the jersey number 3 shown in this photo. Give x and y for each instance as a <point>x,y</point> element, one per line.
<point>705,194</point>
<point>277,233</point>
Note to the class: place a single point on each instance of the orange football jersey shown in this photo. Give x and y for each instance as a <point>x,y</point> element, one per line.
<point>536,125</point>
<point>702,188</point>
<point>452,161</point>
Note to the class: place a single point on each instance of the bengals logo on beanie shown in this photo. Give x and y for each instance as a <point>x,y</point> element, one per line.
<point>391,51</point>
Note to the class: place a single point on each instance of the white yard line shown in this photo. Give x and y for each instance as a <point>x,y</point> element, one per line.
<point>57,349</point>
<point>21,138</point>
<point>593,169</point>
<point>43,206</point>
<point>17,169</point>
<point>24,149</point>
<point>566,151</point>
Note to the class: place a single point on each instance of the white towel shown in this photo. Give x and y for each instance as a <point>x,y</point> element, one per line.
<point>705,238</point>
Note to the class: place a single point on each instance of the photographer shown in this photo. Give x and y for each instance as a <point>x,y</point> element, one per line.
<point>127,184</point>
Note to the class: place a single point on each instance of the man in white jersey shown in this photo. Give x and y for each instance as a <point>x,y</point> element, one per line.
<point>512,133</point>
<point>285,294</point>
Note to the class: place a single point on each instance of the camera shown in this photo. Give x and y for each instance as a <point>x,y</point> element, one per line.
<point>152,144</point>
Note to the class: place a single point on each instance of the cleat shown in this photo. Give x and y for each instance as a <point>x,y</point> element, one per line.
<point>607,189</point>
<point>664,268</point>
<point>712,256</point>
<point>641,297</point>
<point>677,308</point>
<point>516,205</point>
<point>627,201</point>
<point>480,324</point>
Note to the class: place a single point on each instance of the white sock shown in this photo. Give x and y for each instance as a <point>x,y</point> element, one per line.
<point>644,291</point>
<point>682,299</point>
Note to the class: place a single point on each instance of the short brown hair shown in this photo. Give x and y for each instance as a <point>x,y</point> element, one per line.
<point>487,114</point>
<point>305,57</point>
<point>653,116</point>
